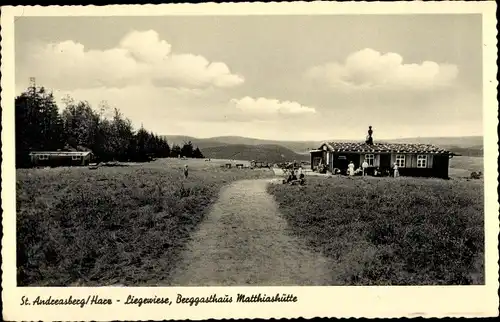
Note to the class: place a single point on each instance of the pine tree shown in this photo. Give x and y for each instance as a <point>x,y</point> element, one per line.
<point>40,126</point>
<point>197,154</point>
<point>175,151</point>
<point>37,122</point>
<point>187,150</point>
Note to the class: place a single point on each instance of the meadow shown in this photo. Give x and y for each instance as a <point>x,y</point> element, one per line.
<point>127,225</point>
<point>462,166</point>
<point>112,225</point>
<point>387,231</point>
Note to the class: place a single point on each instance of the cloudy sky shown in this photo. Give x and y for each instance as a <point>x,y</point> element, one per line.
<point>275,77</point>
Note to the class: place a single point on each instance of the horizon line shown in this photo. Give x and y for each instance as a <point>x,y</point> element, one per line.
<point>323,140</point>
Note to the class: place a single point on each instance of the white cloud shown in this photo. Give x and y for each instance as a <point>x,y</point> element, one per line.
<point>367,69</point>
<point>140,58</point>
<point>141,102</point>
<point>267,107</point>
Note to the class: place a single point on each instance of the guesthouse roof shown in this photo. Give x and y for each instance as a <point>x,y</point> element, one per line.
<point>384,147</point>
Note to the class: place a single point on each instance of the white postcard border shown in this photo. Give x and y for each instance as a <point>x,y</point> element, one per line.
<point>428,301</point>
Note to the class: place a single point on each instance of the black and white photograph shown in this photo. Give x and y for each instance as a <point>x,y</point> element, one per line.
<point>259,150</point>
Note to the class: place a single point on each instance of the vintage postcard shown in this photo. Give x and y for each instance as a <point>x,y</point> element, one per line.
<point>249,160</point>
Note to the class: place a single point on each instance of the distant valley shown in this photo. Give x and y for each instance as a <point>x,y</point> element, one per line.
<point>243,148</point>
<point>264,152</point>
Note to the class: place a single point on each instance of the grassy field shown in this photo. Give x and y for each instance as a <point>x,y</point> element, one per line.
<point>127,225</point>
<point>113,225</point>
<point>268,153</point>
<point>386,231</point>
<point>463,166</point>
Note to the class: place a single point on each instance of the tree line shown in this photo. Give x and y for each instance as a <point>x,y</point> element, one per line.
<point>40,126</point>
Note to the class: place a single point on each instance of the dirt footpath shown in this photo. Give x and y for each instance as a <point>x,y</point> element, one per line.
<point>244,241</point>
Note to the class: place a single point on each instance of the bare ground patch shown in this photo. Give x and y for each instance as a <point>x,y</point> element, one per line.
<point>245,241</point>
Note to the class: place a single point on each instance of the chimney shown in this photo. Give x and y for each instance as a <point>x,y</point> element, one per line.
<point>369,138</point>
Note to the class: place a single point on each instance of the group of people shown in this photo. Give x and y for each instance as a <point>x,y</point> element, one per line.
<point>296,175</point>
<point>351,171</point>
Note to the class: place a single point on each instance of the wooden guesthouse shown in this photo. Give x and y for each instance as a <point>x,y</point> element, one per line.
<point>60,158</point>
<point>412,159</point>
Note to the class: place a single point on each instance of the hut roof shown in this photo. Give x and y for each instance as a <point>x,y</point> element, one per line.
<point>385,147</point>
<point>62,153</point>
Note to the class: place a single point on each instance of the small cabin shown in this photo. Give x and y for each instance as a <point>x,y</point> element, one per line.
<point>421,160</point>
<point>60,158</point>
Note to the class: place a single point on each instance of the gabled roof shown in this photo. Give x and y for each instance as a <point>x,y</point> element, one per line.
<point>62,153</point>
<point>384,147</point>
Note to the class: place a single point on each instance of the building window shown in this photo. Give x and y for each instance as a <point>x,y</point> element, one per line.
<point>421,161</point>
<point>400,160</point>
<point>76,157</point>
<point>370,159</point>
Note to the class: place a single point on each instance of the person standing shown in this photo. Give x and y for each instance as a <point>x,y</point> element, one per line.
<point>350,169</point>
<point>396,170</point>
<point>365,167</point>
<point>186,171</point>
<point>300,173</point>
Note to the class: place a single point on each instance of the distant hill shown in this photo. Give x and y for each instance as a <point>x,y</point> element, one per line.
<point>200,143</point>
<point>267,153</point>
<point>203,143</point>
<point>467,145</point>
<point>463,141</point>
<point>473,151</point>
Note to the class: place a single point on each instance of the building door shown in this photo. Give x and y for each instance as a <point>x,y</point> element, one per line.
<point>440,166</point>
<point>342,163</point>
<point>385,161</point>
<point>315,162</point>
